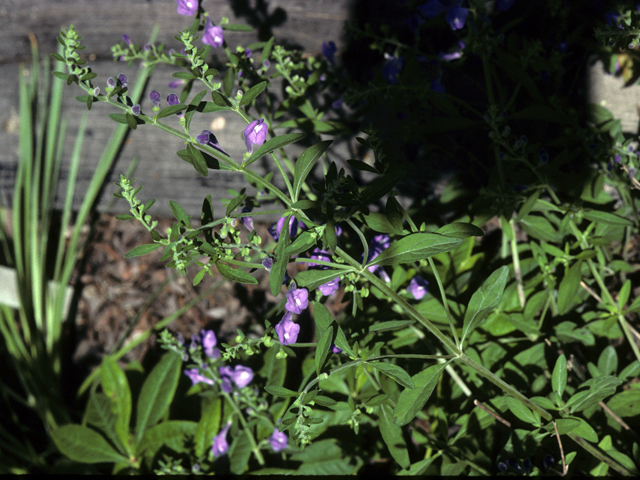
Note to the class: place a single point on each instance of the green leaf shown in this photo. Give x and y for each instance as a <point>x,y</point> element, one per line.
<point>395,214</point>
<point>193,107</point>
<point>584,430</point>
<point>324,401</point>
<point>484,300</point>
<point>394,371</point>
<point>381,186</point>
<point>279,268</point>
<point>522,412</point>
<point>237,27</point>
<point>235,274</point>
<point>233,204</point>
<point>608,361</point>
<point>302,243</point>
<point>305,164</point>
<point>184,75</point>
<point>197,160</point>
<point>239,453</point>
<point>116,387</point>
<point>559,376</point>
<point>528,205</point>
<point>274,144</point>
<point>412,400</point>
<point>415,247</point>
<point>390,325</point>
<point>278,391</point>
<point>325,457</point>
<point>100,415</point>
<point>228,81</point>
<point>171,110</point>
<point>323,348</point>
<point>131,121</point>
<point>208,425</point>
<point>599,389</point>
<point>392,436</point>
<point>312,279</point>
<point>172,433</point>
<point>119,117</point>
<point>568,290</point>
<point>81,444</point>
<point>329,235</point>
<point>179,213</point>
<point>626,403</point>
<point>157,392</point>
<point>460,230</point>
<point>252,93</point>
<point>142,250</point>
<point>380,223</point>
<point>623,296</point>
<point>220,100</point>
<point>607,218</point>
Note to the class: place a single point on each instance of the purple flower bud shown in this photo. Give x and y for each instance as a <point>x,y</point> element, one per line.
<point>96,91</point>
<point>147,47</point>
<point>617,158</point>
<point>336,104</point>
<point>453,55</point>
<point>267,263</point>
<point>335,349</point>
<point>122,78</point>
<point>154,96</point>
<point>127,39</point>
<point>195,377</point>
<point>180,338</point>
<point>187,7</point>
<point>266,64</point>
<point>278,440</point>
<point>173,99</point>
<point>275,230</point>
<point>255,134</point>
<point>329,50</point>
<point>135,110</point>
<point>548,461</point>
<point>247,53</point>
<point>297,300</point>
<point>111,82</point>
<point>220,445</point>
<point>213,35</point>
<point>209,341</point>
<point>208,138</point>
<point>175,84</point>
<point>418,287</point>
<point>287,330</point>
<point>457,17</point>
<point>330,287</point>
<point>247,221</point>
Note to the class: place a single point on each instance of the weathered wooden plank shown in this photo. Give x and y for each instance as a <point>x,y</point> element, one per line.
<point>165,176</point>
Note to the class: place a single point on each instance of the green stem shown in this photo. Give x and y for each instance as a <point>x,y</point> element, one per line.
<point>245,428</point>
<point>452,326</point>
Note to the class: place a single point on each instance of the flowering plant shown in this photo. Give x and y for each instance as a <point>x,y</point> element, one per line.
<point>445,336</point>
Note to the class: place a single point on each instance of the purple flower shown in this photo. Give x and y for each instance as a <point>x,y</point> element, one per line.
<point>319,254</point>
<point>194,375</point>
<point>220,445</point>
<point>330,287</point>
<point>154,96</point>
<point>278,440</point>
<point>335,349</point>
<point>329,50</point>
<point>392,68</point>
<point>377,245</point>
<point>122,78</point>
<point>127,39</point>
<point>617,158</point>
<point>255,134</point>
<point>209,341</point>
<point>213,34</point>
<point>418,287</point>
<point>240,375</point>
<point>208,138</point>
<point>247,52</point>
<point>297,300</point>
<point>187,7</point>
<point>275,229</point>
<point>135,110</point>
<point>457,17</point>
<point>287,330</point>
<point>432,9</point>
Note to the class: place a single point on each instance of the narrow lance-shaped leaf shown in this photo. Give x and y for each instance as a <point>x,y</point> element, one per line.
<point>252,93</point>
<point>395,372</point>
<point>559,376</point>
<point>392,436</point>
<point>323,349</point>
<point>412,400</point>
<point>81,444</point>
<point>305,164</point>
<point>415,247</point>
<point>274,144</point>
<point>116,387</point>
<point>484,300</point>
